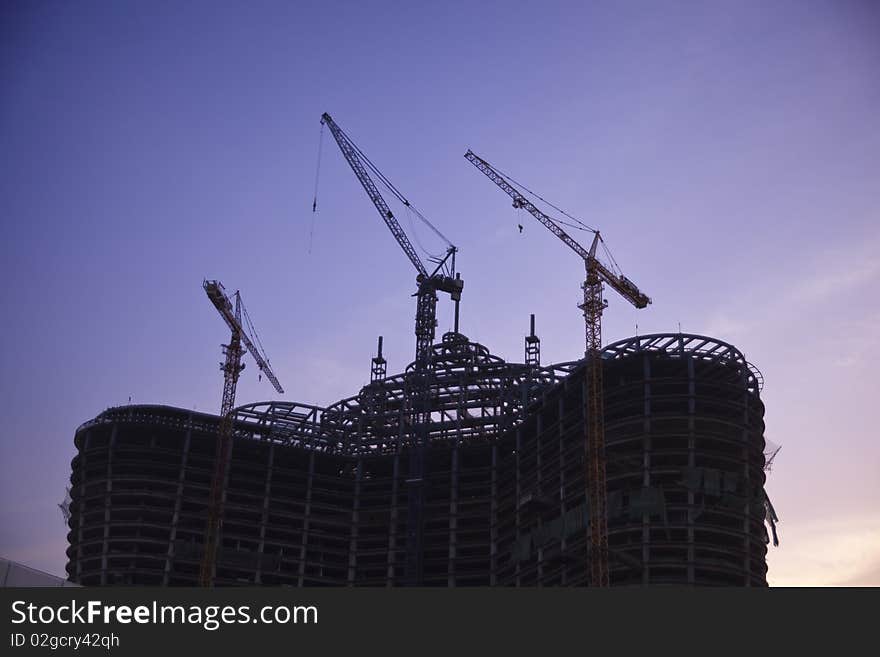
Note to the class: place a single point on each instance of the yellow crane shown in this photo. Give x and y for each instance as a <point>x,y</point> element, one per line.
<point>597,275</point>
<point>231,367</point>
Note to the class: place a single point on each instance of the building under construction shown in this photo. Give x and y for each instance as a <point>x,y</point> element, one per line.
<point>641,463</point>
<point>320,496</point>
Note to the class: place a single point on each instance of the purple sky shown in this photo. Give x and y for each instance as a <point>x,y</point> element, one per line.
<point>729,151</point>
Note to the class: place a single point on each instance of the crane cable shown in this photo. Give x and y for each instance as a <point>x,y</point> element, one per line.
<point>614,264</point>
<point>415,235</point>
<point>391,188</point>
<point>253,332</point>
<point>317,176</point>
<point>581,226</point>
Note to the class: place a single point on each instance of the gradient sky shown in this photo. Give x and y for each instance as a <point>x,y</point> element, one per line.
<point>729,151</point>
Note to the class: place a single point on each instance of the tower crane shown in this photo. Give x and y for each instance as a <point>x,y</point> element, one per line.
<point>443,279</point>
<point>597,275</point>
<point>231,368</point>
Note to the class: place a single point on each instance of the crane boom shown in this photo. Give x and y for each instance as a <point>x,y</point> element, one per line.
<point>619,283</point>
<point>594,412</point>
<point>215,292</point>
<point>352,156</point>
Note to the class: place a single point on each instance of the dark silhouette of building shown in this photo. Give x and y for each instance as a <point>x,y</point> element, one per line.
<point>318,496</point>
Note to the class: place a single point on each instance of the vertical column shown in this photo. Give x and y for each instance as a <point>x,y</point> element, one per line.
<point>646,470</point>
<point>355,522</point>
<point>588,552</point>
<point>227,473</point>
<point>538,496</point>
<point>307,512</point>
<point>108,491</point>
<point>747,482</point>
<point>392,522</point>
<point>516,500</point>
<point>178,497</point>
<point>691,464</point>
<point>264,516</point>
<point>453,517</point>
<point>82,505</point>
<point>562,539</point>
<point>493,519</point>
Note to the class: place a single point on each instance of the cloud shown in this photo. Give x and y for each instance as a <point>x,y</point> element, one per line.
<point>828,552</point>
<point>332,379</point>
<point>868,577</point>
<point>837,273</point>
<point>729,327</point>
<point>811,295</point>
<point>855,340</point>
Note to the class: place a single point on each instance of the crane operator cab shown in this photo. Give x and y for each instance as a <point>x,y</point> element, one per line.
<point>448,284</point>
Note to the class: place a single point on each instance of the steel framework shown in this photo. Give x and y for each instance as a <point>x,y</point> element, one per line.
<point>317,495</point>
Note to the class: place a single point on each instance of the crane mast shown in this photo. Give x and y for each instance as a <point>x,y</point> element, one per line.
<point>231,368</point>
<point>594,427</point>
<point>429,283</point>
<point>597,275</point>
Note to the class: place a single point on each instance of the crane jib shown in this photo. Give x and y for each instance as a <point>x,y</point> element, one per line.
<point>350,152</point>
<point>214,290</point>
<point>622,285</point>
